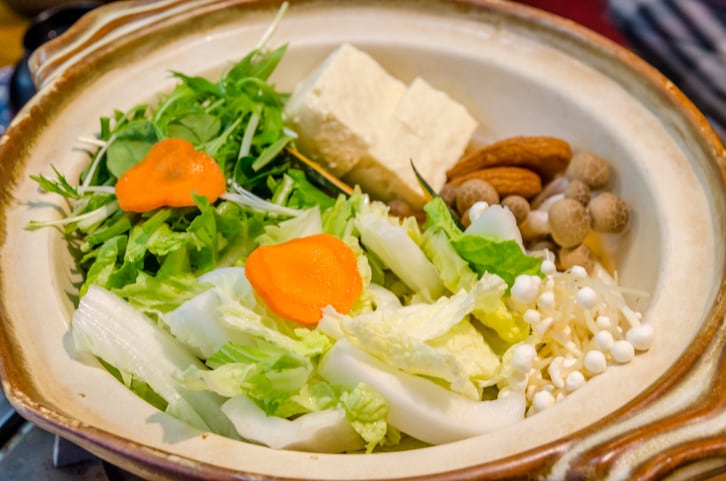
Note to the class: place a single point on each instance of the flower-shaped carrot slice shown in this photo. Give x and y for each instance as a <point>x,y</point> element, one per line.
<point>296,279</point>
<point>171,171</point>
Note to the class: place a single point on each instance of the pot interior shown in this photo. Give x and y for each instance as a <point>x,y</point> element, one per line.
<point>516,76</point>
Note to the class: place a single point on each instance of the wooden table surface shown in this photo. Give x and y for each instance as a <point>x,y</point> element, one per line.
<point>12,28</point>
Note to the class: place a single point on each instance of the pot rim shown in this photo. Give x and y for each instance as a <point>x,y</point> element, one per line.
<point>55,63</point>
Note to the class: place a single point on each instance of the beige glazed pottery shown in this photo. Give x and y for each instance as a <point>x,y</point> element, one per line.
<point>519,72</point>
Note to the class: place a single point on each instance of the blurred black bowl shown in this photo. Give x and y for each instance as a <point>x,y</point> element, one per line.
<point>30,8</point>
<point>45,26</point>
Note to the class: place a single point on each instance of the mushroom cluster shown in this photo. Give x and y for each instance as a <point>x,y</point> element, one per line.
<point>580,326</point>
<point>572,207</point>
<point>564,217</point>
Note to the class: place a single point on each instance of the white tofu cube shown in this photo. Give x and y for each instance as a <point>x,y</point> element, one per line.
<point>337,109</point>
<point>366,126</point>
<point>428,128</point>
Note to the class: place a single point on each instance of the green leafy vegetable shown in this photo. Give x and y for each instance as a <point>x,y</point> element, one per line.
<point>394,246</point>
<point>266,372</point>
<point>59,186</point>
<point>367,411</point>
<point>237,120</point>
<point>483,253</point>
<point>132,143</point>
<point>433,340</point>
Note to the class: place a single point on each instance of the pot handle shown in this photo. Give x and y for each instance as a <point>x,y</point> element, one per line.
<point>681,423</point>
<point>109,24</point>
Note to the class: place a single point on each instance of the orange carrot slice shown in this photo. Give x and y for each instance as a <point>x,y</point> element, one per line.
<point>171,171</point>
<point>296,279</point>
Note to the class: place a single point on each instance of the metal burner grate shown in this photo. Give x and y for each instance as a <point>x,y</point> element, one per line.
<point>27,453</point>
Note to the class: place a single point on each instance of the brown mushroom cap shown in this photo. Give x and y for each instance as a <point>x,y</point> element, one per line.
<point>579,191</point>
<point>399,208</point>
<point>589,168</point>
<point>609,213</point>
<point>518,205</point>
<point>474,190</point>
<point>569,222</point>
<point>448,194</point>
<point>580,255</point>
<point>465,219</point>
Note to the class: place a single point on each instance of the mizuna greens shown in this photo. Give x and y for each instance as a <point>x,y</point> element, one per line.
<point>237,121</point>
<point>426,350</point>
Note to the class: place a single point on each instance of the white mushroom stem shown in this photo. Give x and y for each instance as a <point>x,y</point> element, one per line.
<point>600,272</point>
<point>496,221</point>
<point>630,315</point>
<point>555,372</point>
<point>557,186</point>
<point>547,203</point>
<point>536,225</point>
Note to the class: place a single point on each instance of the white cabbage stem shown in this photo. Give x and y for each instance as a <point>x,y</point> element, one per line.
<point>417,406</point>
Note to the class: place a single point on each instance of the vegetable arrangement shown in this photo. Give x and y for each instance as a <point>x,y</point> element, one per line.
<point>225,287</point>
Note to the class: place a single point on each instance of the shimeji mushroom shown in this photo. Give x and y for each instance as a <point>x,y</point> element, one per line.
<point>448,194</point>
<point>579,191</point>
<point>609,213</point>
<point>518,205</point>
<point>536,226</point>
<point>475,190</point>
<point>589,168</point>
<point>569,222</point>
<point>580,255</point>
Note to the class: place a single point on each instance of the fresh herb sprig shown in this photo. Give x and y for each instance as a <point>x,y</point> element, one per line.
<point>238,120</point>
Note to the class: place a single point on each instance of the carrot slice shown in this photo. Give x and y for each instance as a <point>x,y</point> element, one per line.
<point>298,278</point>
<point>171,171</point>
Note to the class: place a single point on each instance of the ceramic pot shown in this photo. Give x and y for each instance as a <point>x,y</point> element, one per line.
<point>519,71</point>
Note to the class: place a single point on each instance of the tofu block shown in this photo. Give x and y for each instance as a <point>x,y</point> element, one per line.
<point>366,126</point>
<point>428,128</point>
<point>337,109</point>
